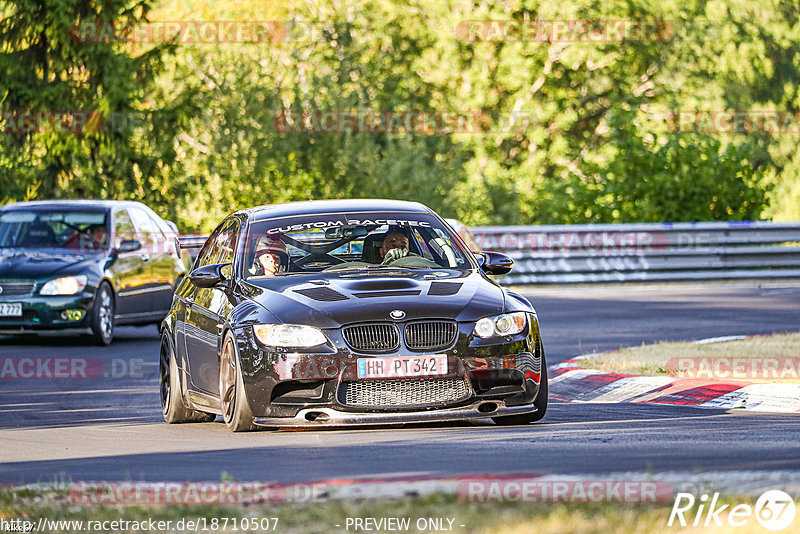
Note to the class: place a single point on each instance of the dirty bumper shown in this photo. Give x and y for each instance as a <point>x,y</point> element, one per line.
<point>316,417</point>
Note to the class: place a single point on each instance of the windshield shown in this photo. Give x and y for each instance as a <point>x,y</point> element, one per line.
<point>79,231</point>
<point>350,241</point>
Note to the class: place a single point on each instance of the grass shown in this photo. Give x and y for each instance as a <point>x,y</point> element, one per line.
<point>322,517</point>
<point>654,360</point>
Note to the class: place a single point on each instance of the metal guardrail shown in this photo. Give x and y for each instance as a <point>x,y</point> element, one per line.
<point>193,242</point>
<point>659,252</point>
<point>586,253</point>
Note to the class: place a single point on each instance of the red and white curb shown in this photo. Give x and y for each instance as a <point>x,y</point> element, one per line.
<point>571,382</point>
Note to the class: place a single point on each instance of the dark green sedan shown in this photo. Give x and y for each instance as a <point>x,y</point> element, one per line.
<point>85,265</point>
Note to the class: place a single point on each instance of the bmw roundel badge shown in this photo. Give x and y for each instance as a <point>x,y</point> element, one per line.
<point>397,314</point>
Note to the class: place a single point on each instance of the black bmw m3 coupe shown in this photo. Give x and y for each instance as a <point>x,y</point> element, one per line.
<point>350,312</point>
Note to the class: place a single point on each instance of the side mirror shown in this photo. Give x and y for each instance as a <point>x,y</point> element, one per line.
<point>494,262</point>
<point>208,275</point>
<point>129,245</point>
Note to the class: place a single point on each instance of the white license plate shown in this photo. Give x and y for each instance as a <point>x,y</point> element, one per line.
<point>403,366</point>
<point>11,310</point>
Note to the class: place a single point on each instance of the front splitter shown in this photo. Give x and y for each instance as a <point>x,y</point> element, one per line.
<point>328,417</point>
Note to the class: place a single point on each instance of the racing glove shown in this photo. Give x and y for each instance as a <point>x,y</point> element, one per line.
<point>394,254</point>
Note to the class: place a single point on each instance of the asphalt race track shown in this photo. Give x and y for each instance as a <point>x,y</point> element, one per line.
<point>109,428</point>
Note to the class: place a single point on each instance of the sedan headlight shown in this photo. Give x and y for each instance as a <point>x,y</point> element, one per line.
<point>289,335</point>
<point>66,285</point>
<point>507,324</point>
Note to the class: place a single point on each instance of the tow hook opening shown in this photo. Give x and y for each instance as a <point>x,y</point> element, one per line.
<point>487,407</point>
<point>317,417</point>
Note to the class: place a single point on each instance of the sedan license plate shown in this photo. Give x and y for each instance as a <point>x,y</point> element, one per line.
<point>11,310</point>
<point>403,366</point>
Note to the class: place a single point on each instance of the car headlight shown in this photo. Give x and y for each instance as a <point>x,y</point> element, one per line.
<point>289,335</point>
<point>507,324</point>
<point>66,285</point>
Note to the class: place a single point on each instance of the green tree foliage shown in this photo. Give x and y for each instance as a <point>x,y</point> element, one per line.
<point>577,131</point>
<point>44,68</point>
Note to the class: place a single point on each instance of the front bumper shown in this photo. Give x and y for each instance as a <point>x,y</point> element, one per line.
<point>329,417</point>
<point>45,313</point>
<point>500,377</point>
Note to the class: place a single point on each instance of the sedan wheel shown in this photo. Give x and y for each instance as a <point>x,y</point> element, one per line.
<point>232,397</point>
<point>102,315</point>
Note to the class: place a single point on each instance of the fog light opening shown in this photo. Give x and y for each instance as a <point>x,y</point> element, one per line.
<point>317,417</point>
<point>72,315</point>
<point>488,407</point>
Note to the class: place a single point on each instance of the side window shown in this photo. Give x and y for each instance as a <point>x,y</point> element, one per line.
<point>221,246</point>
<point>166,238</point>
<point>123,228</point>
<point>146,231</point>
<point>424,251</point>
<point>204,256</point>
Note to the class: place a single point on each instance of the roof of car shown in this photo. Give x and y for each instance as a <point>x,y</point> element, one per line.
<point>312,207</point>
<point>55,204</point>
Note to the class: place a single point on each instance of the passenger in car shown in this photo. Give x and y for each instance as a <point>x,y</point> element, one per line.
<point>270,256</point>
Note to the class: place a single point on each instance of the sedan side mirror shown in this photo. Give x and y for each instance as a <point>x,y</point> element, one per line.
<point>208,275</point>
<point>129,245</point>
<point>494,262</point>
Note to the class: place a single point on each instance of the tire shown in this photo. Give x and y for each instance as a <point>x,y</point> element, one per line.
<point>540,402</point>
<point>102,315</point>
<point>232,397</point>
<point>173,408</point>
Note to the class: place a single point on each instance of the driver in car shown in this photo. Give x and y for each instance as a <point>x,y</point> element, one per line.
<point>93,238</point>
<point>395,246</point>
<point>270,257</point>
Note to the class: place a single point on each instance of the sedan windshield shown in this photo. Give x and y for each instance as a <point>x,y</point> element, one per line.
<point>79,231</point>
<point>351,241</point>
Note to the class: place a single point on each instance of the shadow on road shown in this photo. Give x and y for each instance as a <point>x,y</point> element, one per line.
<point>50,382</point>
<point>574,439</point>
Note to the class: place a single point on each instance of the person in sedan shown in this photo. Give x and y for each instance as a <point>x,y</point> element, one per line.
<point>93,238</point>
<point>394,247</point>
<point>270,256</point>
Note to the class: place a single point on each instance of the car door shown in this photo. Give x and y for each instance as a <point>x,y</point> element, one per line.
<point>160,262</point>
<point>206,312</point>
<point>129,271</point>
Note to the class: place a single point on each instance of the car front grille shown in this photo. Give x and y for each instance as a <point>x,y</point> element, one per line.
<point>430,335</point>
<point>402,392</point>
<point>16,289</point>
<point>27,317</point>
<point>372,337</point>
